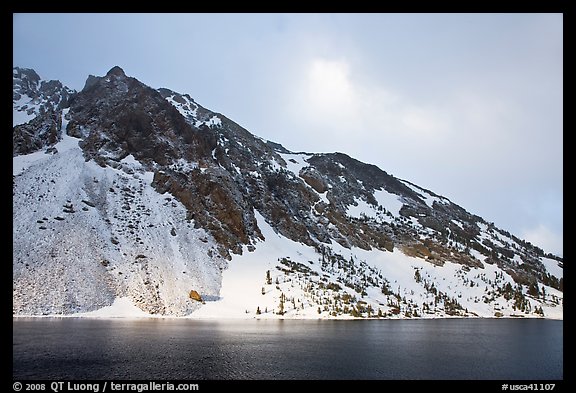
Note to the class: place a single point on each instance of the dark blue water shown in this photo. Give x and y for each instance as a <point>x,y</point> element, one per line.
<point>291,349</point>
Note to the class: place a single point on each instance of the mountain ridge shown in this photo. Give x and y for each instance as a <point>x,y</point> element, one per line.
<point>225,181</point>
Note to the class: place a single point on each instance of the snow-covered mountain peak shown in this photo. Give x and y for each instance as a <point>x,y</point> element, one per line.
<point>165,192</point>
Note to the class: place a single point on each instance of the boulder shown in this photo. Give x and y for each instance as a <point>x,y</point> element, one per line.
<point>195,296</point>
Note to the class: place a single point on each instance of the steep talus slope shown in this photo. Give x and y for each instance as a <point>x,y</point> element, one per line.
<point>146,194</point>
<point>86,234</point>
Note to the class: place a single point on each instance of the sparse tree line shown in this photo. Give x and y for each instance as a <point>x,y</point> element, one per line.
<point>343,283</point>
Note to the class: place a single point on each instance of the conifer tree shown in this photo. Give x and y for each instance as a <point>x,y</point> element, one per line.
<point>268,277</point>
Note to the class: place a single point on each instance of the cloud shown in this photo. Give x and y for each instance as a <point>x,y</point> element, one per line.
<point>329,84</point>
<point>545,238</point>
<point>332,99</point>
<point>423,121</point>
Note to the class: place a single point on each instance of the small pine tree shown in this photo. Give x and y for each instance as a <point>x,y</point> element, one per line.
<point>281,306</point>
<point>417,276</point>
<point>263,291</point>
<point>319,311</point>
<point>533,290</point>
<point>538,310</point>
<point>258,312</point>
<point>268,277</point>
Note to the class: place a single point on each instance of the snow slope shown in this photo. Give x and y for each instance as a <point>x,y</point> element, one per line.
<point>24,110</point>
<point>122,307</point>
<point>242,282</point>
<point>108,221</point>
<point>244,288</point>
<point>119,220</point>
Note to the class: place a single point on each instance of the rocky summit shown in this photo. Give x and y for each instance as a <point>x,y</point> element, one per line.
<point>125,192</point>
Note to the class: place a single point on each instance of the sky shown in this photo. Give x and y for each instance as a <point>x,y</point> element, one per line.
<point>469,106</point>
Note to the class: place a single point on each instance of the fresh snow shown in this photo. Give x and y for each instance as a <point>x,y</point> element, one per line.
<point>20,116</point>
<point>188,109</point>
<point>182,165</point>
<point>106,241</point>
<point>295,162</point>
<point>131,161</point>
<point>122,307</point>
<point>361,208</point>
<point>323,197</point>
<point>388,201</point>
<point>214,121</point>
<point>457,223</point>
<point>425,195</point>
<point>23,162</point>
<point>242,283</point>
<point>65,120</point>
<point>275,165</point>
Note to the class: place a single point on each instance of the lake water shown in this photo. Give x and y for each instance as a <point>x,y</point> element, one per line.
<point>74,348</point>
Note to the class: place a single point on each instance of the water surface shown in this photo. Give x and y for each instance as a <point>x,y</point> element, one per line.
<point>75,348</point>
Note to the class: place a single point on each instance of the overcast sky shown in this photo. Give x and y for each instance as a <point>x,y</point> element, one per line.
<point>467,105</point>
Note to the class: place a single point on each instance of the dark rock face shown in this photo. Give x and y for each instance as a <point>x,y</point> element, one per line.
<point>117,116</point>
<point>116,71</point>
<point>42,131</point>
<point>43,101</point>
<point>45,94</point>
<point>25,82</point>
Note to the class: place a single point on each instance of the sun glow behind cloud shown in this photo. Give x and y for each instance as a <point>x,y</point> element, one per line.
<point>332,97</point>
<point>329,85</point>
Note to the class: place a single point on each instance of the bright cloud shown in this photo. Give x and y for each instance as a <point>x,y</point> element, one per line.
<point>330,89</point>
<point>331,97</point>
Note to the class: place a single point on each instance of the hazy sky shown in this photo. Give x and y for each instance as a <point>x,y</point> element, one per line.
<point>467,105</point>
